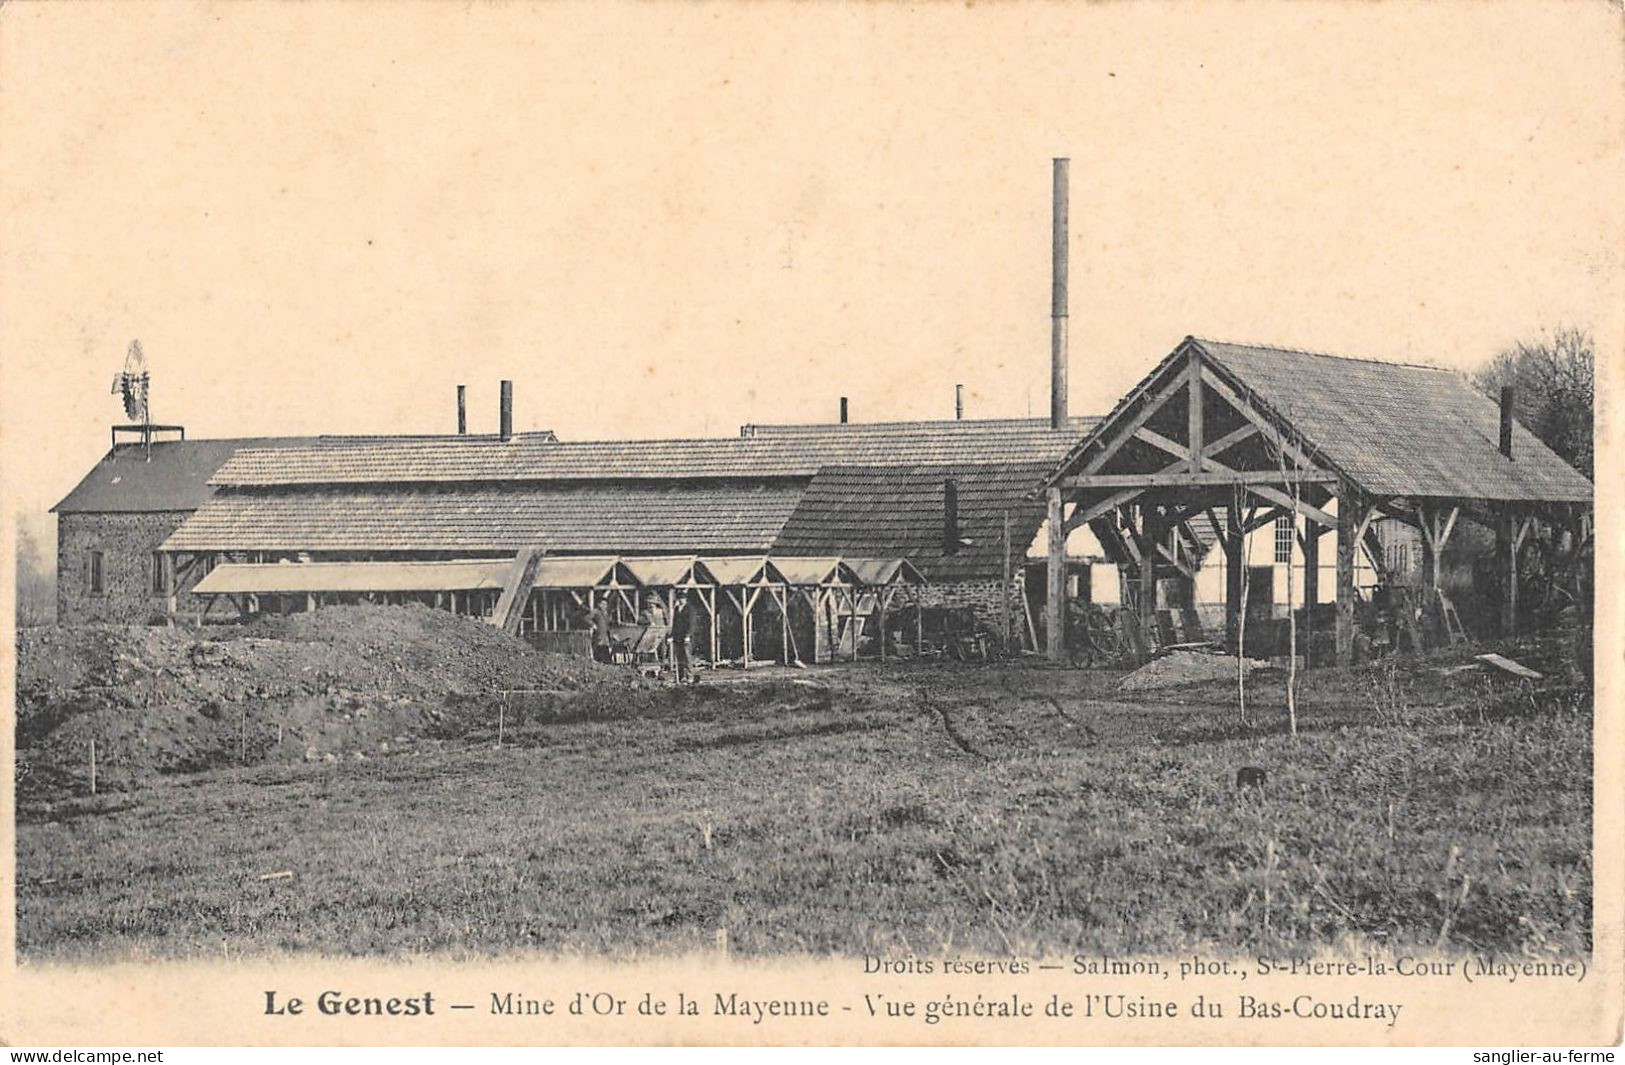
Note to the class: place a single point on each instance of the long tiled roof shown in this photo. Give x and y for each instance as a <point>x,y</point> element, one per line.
<point>762,452</point>
<point>891,512</point>
<point>176,474</point>
<point>1401,430</point>
<point>663,519</point>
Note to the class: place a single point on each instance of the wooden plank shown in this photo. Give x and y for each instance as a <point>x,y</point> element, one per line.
<point>1517,669</point>
<point>1212,478</point>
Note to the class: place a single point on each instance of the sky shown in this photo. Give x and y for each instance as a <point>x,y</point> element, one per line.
<point>665,220</point>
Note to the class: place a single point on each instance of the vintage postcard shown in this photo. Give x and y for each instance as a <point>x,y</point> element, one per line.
<point>783,523</point>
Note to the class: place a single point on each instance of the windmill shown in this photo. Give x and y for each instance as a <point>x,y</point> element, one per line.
<point>133,385</point>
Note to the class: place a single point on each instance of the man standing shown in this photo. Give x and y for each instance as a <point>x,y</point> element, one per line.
<point>681,624</point>
<point>599,619</point>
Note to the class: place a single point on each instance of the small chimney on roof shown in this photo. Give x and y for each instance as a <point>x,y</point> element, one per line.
<point>843,410</point>
<point>959,402</point>
<point>462,410</point>
<point>1058,312</point>
<point>950,517</point>
<point>505,421</point>
<point>1507,397</point>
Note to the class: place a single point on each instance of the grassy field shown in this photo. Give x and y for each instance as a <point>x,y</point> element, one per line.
<point>869,808</point>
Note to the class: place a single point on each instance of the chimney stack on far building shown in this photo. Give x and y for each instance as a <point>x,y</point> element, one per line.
<point>959,402</point>
<point>950,516</point>
<point>1507,396</point>
<point>505,424</point>
<point>843,410</point>
<point>1058,313</point>
<point>462,410</point>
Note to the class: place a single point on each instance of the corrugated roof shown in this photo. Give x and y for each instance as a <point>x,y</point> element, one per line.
<point>238,578</point>
<point>1400,430</point>
<point>897,512</point>
<point>633,519</point>
<point>770,451</point>
<point>177,476</point>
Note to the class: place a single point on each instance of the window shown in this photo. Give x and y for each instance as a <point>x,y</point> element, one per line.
<point>1284,529</point>
<point>158,573</point>
<point>98,574</point>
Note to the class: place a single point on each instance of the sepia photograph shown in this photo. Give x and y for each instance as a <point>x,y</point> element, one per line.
<point>830,524</point>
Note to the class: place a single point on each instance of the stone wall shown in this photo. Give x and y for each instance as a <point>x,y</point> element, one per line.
<point>983,598</point>
<point>127,543</point>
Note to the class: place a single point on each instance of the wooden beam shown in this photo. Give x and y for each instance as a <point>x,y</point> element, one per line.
<point>1055,584</point>
<point>1275,495</point>
<point>1193,399</point>
<point>1229,440</point>
<point>1082,515</point>
<point>1252,414</point>
<point>1173,447</point>
<point>1119,438</point>
<point>1207,478</point>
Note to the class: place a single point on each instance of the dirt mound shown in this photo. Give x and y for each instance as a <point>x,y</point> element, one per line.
<point>1186,667</point>
<point>339,682</point>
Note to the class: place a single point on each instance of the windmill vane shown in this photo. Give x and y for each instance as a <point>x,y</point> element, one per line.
<point>133,384</point>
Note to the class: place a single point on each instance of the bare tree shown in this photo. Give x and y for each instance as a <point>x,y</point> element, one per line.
<point>36,579</point>
<point>1554,379</point>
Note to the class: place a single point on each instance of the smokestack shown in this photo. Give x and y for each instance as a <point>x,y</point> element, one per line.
<point>1057,329</point>
<point>950,517</point>
<point>959,402</point>
<point>1506,420</point>
<point>505,425</point>
<point>462,411</point>
<point>843,410</point>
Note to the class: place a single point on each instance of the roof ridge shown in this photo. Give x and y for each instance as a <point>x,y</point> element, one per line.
<point>1035,421</point>
<point>1319,354</point>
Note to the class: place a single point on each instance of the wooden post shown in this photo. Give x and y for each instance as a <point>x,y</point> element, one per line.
<point>784,621</point>
<point>1515,529</point>
<point>1234,539</point>
<point>1055,604</point>
<point>1005,594</point>
<point>1311,583</point>
<point>1347,523</point>
<point>1148,577</point>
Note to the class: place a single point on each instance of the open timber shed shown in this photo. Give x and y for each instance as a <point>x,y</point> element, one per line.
<point>1336,442</point>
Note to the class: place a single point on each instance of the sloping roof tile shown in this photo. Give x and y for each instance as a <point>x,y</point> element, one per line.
<point>768,451</point>
<point>654,519</point>
<point>177,475</point>
<point>897,512</point>
<point>1401,430</point>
